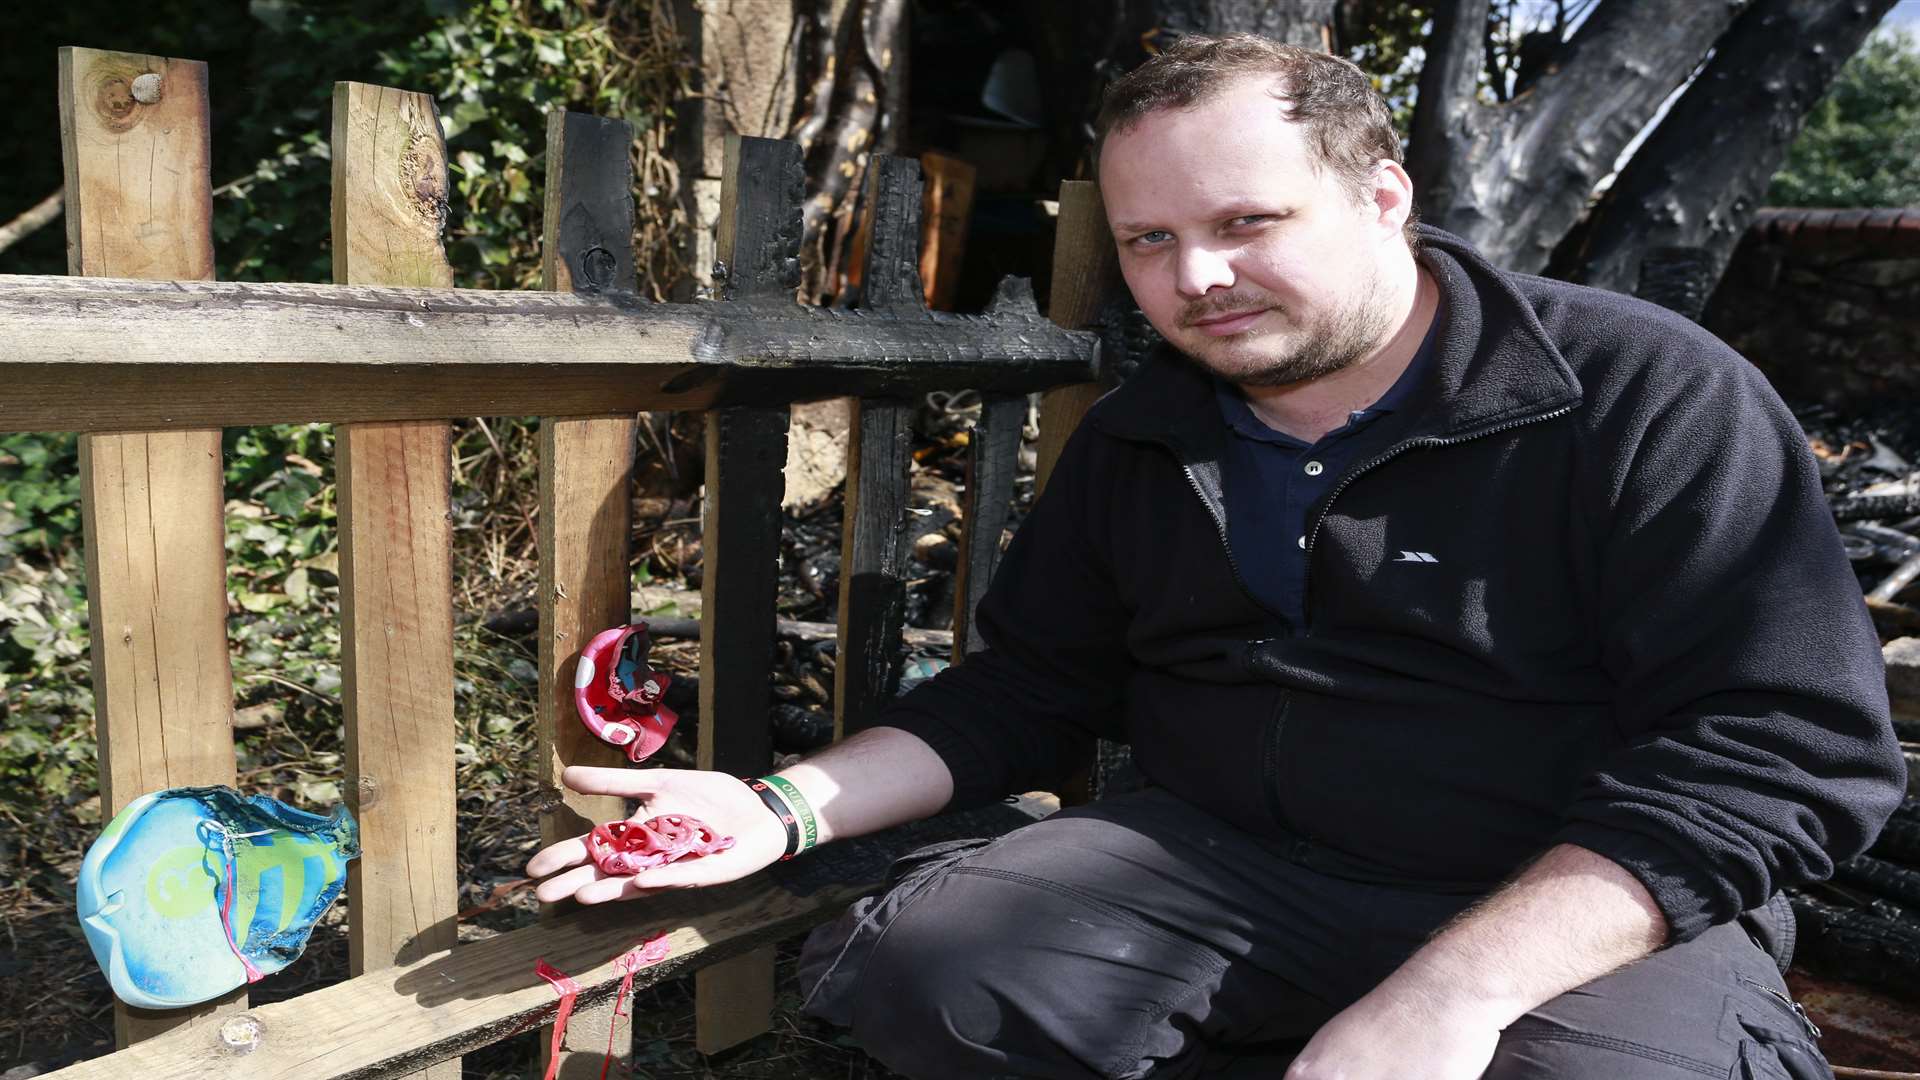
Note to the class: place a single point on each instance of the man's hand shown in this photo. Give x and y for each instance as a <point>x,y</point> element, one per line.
<point>1385,1036</point>
<point>721,801</point>
<point>1567,919</point>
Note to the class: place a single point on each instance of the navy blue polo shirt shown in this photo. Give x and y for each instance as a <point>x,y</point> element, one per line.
<point>1272,479</point>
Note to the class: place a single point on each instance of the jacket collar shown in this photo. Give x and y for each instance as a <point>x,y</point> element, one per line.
<point>1494,365</point>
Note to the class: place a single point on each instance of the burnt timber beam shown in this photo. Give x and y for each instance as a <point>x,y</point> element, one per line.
<point>93,354</point>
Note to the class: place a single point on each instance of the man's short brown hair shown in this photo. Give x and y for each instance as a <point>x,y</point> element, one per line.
<point>1347,123</point>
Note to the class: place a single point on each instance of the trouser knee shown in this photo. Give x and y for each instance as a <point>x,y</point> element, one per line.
<point>977,971</point>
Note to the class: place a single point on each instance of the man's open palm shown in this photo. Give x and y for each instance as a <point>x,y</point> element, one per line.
<point>725,804</point>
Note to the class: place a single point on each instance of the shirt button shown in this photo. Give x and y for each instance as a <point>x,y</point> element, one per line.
<point>1303,543</point>
<point>1314,468</point>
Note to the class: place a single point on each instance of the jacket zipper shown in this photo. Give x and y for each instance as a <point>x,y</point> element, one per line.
<point>1270,763</point>
<point>1429,442</point>
<point>1270,768</point>
<point>1219,525</point>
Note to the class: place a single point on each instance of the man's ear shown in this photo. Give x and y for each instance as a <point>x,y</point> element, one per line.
<point>1392,195</point>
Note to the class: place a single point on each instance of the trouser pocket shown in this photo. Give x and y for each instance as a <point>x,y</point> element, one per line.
<point>835,953</point>
<point>1769,1055</point>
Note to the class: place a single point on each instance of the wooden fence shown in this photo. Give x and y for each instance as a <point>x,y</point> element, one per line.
<point>148,357</point>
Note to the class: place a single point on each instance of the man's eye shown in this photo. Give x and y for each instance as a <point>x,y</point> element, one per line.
<point>1155,236</point>
<point>1250,219</point>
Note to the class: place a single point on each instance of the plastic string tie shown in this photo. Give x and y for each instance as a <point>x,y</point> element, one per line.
<point>569,991</point>
<point>648,953</point>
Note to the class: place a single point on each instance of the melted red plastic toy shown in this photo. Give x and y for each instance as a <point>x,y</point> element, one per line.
<point>618,694</point>
<point>628,847</point>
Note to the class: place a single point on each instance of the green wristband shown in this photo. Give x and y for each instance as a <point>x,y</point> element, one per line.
<point>809,828</point>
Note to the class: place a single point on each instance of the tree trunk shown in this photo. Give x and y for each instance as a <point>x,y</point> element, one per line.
<point>1513,178</point>
<point>852,57</point>
<point>1083,45</point>
<point>1306,23</point>
<point>1698,179</point>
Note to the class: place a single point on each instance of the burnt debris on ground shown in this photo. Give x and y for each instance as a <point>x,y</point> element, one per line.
<point>1864,924</point>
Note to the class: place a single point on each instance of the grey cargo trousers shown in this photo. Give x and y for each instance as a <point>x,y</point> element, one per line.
<point>1139,936</point>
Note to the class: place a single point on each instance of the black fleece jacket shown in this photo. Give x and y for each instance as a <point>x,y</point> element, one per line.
<point>1631,627</point>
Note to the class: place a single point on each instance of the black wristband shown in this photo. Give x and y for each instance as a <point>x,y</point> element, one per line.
<point>780,811</point>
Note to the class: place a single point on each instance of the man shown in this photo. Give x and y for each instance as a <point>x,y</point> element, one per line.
<point>1486,642</point>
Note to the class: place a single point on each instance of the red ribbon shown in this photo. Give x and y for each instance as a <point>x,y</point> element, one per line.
<point>646,954</point>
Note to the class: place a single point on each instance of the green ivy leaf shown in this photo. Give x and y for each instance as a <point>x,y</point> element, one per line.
<point>292,493</point>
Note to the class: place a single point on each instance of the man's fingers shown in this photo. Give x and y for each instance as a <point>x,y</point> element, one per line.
<point>606,889</point>
<point>595,780</point>
<point>558,857</point>
<point>686,874</point>
<point>561,886</point>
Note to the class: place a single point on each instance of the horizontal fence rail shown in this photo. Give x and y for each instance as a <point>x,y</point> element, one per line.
<point>92,354</point>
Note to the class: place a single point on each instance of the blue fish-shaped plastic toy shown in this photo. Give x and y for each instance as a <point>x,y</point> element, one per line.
<point>190,892</point>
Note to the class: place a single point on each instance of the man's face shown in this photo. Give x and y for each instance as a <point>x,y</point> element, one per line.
<point>1241,253</point>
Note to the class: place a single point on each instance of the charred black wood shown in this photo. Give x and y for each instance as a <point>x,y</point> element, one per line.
<point>992,461</point>
<point>759,232</point>
<point>856,58</point>
<point>890,280</point>
<point>1307,23</point>
<point>993,452</point>
<point>1901,577</point>
<point>801,630</point>
<point>1680,279</point>
<point>593,203</point>
<point>1867,541</point>
<point>1126,337</point>
<point>746,453</point>
<point>874,550</point>
<point>1883,879</point>
<point>1891,620</point>
<point>1083,45</point>
<point>256,340</point>
<point>746,450</point>
<point>799,730</point>
<point>1871,943</point>
<point>1699,178</point>
<point>1876,507</point>
<point>1899,842</point>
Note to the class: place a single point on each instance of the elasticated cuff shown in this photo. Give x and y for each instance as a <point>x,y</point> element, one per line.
<point>1686,895</point>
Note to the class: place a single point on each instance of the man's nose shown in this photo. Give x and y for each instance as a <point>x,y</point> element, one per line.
<point>1201,269</point>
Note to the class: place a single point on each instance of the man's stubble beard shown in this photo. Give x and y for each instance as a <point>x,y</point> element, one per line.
<point>1331,344</point>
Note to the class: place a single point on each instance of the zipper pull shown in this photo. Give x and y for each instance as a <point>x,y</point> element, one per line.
<point>1799,1010</point>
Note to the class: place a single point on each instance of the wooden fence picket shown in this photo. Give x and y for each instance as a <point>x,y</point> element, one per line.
<point>873,551</point>
<point>152,501</point>
<point>758,241</point>
<point>396,565</point>
<point>1085,270</point>
<point>586,475</point>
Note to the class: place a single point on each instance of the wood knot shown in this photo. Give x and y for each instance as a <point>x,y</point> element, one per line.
<point>597,266</point>
<point>368,794</point>
<point>423,175</point>
<point>114,105</point>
